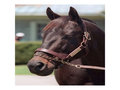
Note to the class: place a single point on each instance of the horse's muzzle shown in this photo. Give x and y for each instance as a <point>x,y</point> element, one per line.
<point>39,67</point>
<point>35,65</point>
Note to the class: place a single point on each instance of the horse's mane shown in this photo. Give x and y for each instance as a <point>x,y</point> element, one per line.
<point>55,23</point>
<point>50,26</point>
<point>89,20</point>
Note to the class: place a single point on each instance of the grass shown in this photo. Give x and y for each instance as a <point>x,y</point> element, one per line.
<point>22,70</point>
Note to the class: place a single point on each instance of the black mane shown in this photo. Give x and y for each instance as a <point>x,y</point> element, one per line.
<point>89,20</point>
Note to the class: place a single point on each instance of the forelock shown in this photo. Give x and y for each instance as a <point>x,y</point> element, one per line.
<point>55,23</point>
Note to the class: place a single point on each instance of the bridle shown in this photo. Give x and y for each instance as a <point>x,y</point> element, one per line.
<point>64,58</point>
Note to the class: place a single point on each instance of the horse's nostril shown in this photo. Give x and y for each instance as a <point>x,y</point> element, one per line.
<point>40,66</point>
<point>36,66</point>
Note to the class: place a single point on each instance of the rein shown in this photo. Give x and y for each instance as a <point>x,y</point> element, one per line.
<point>61,57</point>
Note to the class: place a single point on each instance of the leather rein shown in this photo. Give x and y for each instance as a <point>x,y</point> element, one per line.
<point>64,58</point>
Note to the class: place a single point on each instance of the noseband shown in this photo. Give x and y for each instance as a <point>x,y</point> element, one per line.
<point>64,58</point>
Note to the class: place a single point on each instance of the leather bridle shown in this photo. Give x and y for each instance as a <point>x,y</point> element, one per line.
<point>64,58</point>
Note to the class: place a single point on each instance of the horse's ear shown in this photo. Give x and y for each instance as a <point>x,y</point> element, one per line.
<point>74,16</point>
<point>51,15</point>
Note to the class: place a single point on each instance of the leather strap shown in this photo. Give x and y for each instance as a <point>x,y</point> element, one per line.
<point>59,55</point>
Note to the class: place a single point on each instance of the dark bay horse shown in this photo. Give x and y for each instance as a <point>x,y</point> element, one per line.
<point>76,38</point>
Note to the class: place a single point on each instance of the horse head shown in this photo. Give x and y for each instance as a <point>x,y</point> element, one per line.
<point>61,36</point>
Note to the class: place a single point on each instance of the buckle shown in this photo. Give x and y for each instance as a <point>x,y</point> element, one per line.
<point>87,35</point>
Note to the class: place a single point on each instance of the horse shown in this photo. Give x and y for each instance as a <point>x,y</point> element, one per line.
<point>72,47</point>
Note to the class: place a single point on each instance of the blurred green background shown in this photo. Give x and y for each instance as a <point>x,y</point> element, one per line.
<point>23,53</point>
<point>22,70</point>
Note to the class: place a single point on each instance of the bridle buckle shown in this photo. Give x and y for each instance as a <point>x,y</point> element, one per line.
<point>87,35</point>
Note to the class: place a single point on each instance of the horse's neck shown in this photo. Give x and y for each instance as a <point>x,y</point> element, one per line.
<point>95,45</point>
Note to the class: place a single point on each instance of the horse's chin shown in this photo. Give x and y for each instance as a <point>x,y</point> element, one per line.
<point>45,72</point>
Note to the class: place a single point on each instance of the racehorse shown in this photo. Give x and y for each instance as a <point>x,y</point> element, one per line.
<point>73,47</point>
